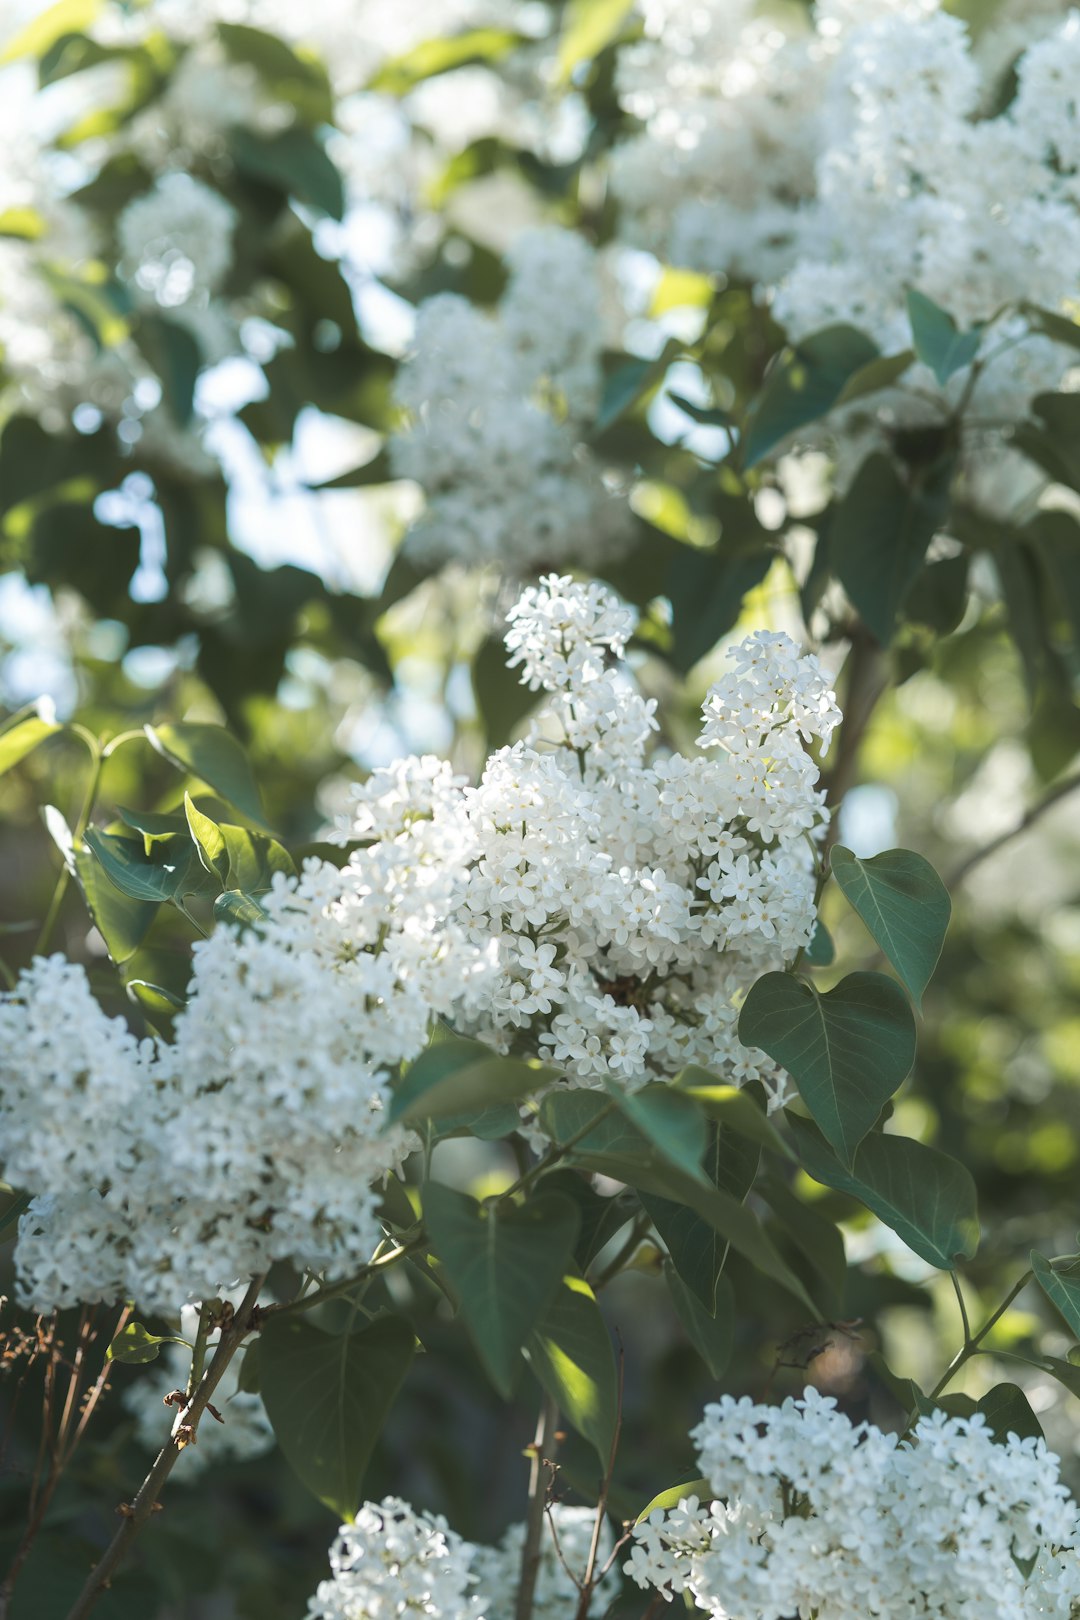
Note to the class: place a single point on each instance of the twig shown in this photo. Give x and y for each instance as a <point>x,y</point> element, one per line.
<point>1047,802</point>
<point>867,680</point>
<point>589,1578</point>
<point>970,1346</point>
<point>140,1509</point>
<point>534,1519</point>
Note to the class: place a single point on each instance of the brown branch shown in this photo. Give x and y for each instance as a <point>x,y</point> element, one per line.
<point>534,1518</point>
<point>589,1580</point>
<point>145,1501</point>
<point>866,681</point>
<point>1047,802</point>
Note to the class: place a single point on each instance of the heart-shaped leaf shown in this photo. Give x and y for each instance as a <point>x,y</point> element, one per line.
<point>847,1050</point>
<point>904,904</point>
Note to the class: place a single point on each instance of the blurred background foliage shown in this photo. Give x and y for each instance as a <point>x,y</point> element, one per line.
<point>197,523</point>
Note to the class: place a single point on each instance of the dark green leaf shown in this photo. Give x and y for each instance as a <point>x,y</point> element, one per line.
<point>214,756</point>
<point>926,1197</point>
<point>295,162</point>
<point>904,904</point>
<point>1007,1411</point>
<point>457,1077</point>
<point>812,1234</point>
<point>298,79</point>
<point>173,352</point>
<point>170,873</point>
<point>327,1396</point>
<point>505,1263</point>
<point>803,385</point>
<point>847,1050</point>
<point>1060,1282</point>
<point>711,1333</point>
<point>671,1121</point>
<point>570,1353</point>
<point>1062,328</point>
<point>877,374</point>
<point>501,698</point>
<point>706,587</point>
<point>632,380</point>
<point>731,1106</point>
<point>122,922</point>
<point>938,342</point>
<point>879,535</point>
<point>821,952</point>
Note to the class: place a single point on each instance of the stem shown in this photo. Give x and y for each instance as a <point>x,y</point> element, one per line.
<point>293,1307</point>
<point>963,1308</point>
<point>136,1515</point>
<point>970,1346</point>
<point>556,1152</point>
<point>198,1353</point>
<point>534,1518</point>
<point>867,681</point>
<point>98,761</point>
<point>589,1578</point>
<point>970,862</point>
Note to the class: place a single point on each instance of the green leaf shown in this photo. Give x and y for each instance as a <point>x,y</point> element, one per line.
<point>501,698</point>
<point>295,162</point>
<point>589,26</point>
<point>1062,328</point>
<point>456,1077</point>
<point>938,342</point>
<point>442,55</point>
<point>880,532</point>
<point>239,909</point>
<point>122,922</point>
<point>731,1106</point>
<point>1060,1282</point>
<point>821,952</point>
<point>803,385</point>
<point>706,587</point>
<point>670,1120</point>
<point>209,842</point>
<point>697,1248</point>
<point>43,30</point>
<point>20,739</point>
<point>136,1345</point>
<point>712,1333</point>
<point>327,1396</point>
<point>666,1500</point>
<point>1007,1411</point>
<point>170,873</point>
<point>570,1353</point>
<point>153,824</point>
<point>630,382</point>
<point>926,1197</point>
<point>814,1236</point>
<point>876,375</point>
<point>614,1147</point>
<point>904,904</point>
<point>1053,440</point>
<point>173,351</point>
<point>600,1217</point>
<point>213,755</point>
<point>505,1263</point>
<point>254,858</point>
<point>847,1050</point>
<point>13,1205</point>
<point>300,80</point>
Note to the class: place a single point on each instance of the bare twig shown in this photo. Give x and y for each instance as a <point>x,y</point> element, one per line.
<point>1047,802</point>
<point>139,1510</point>
<point>589,1579</point>
<point>534,1518</point>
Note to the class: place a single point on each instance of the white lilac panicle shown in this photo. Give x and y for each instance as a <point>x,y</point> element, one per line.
<point>814,1516</point>
<point>392,1561</point>
<point>496,410</point>
<point>630,898</point>
<point>166,1171</point>
<point>176,241</point>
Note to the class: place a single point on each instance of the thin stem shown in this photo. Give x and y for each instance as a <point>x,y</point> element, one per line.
<point>954,1279</point>
<point>306,1302</point>
<point>534,1518</point>
<point>198,1352</point>
<point>1047,802</point>
<point>139,1510</point>
<point>970,1346</point>
<point>589,1578</point>
<point>556,1152</point>
<point>867,680</point>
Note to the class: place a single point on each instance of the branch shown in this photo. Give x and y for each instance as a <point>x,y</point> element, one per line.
<point>136,1515</point>
<point>867,675</point>
<point>534,1519</point>
<point>1047,802</point>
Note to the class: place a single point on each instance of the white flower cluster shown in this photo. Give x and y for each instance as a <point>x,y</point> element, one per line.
<point>163,1171</point>
<point>392,1561</point>
<point>817,1517</point>
<point>631,900</point>
<point>244,1430</point>
<point>176,241</point>
<point>840,162</point>
<point>497,409</point>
